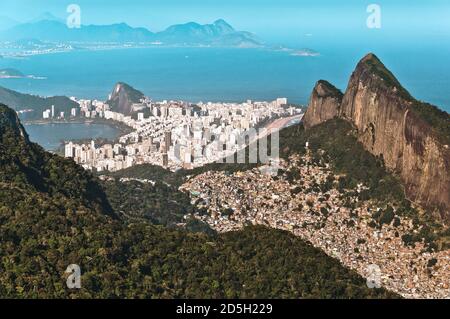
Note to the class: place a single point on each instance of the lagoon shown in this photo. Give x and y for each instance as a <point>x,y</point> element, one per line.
<point>51,135</point>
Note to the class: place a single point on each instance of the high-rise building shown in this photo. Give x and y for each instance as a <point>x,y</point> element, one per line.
<point>188,155</point>
<point>164,112</point>
<point>53,111</point>
<point>69,150</point>
<point>281,101</point>
<point>117,148</point>
<point>108,151</point>
<point>167,140</point>
<point>46,114</point>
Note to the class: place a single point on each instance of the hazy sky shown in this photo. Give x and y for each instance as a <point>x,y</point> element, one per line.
<point>271,19</point>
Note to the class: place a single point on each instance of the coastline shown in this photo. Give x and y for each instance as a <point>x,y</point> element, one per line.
<point>32,77</point>
<point>26,54</point>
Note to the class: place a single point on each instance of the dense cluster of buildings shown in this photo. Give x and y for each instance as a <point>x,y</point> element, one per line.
<point>177,134</point>
<point>334,220</point>
<point>52,114</point>
<point>289,195</point>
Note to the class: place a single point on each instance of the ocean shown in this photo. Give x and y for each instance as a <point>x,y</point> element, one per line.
<point>232,75</point>
<point>213,74</point>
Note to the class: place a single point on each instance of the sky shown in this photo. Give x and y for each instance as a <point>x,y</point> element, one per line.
<point>274,20</point>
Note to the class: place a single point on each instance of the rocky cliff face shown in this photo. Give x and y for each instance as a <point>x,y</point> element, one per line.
<point>123,97</point>
<point>323,105</point>
<point>388,125</point>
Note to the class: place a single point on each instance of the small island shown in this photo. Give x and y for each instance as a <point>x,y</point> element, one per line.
<point>10,73</point>
<point>305,53</point>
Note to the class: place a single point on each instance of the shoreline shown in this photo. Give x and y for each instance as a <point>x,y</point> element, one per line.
<point>120,127</point>
<point>32,77</point>
<point>24,55</point>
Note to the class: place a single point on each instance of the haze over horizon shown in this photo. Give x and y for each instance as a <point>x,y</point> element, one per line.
<point>281,21</point>
<point>414,39</point>
<point>225,150</point>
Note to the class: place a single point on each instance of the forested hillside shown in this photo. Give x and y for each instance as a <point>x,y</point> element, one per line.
<point>334,141</point>
<point>53,214</point>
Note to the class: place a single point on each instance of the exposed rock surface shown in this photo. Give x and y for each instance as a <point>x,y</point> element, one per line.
<point>324,104</point>
<point>389,125</point>
<point>123,97</point>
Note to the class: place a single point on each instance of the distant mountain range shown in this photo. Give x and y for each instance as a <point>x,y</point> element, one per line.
<point>8,23</point>
<point>219,33</point>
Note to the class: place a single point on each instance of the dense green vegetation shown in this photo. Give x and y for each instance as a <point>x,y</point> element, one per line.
<point>26,167</point>
<point>159,204</point>
<point>347,155</point>
<point>335,142</point>
<point>148,171</point>
<point>439,120</point>
<point>157,173</point>
<point>53,214</point>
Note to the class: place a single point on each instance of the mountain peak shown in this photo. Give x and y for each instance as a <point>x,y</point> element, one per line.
<point>50,29</point>
<point>223,26</point>
<point>222,22</point>
<point>373,65</point>
<point>409,135</point>
<point>371,57</point>
<point>46,16</point>
<point>122,86</point>
<point>123,97</point>
<point>371,60</point>
<point>323,105</point>
<point>326,89</point>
